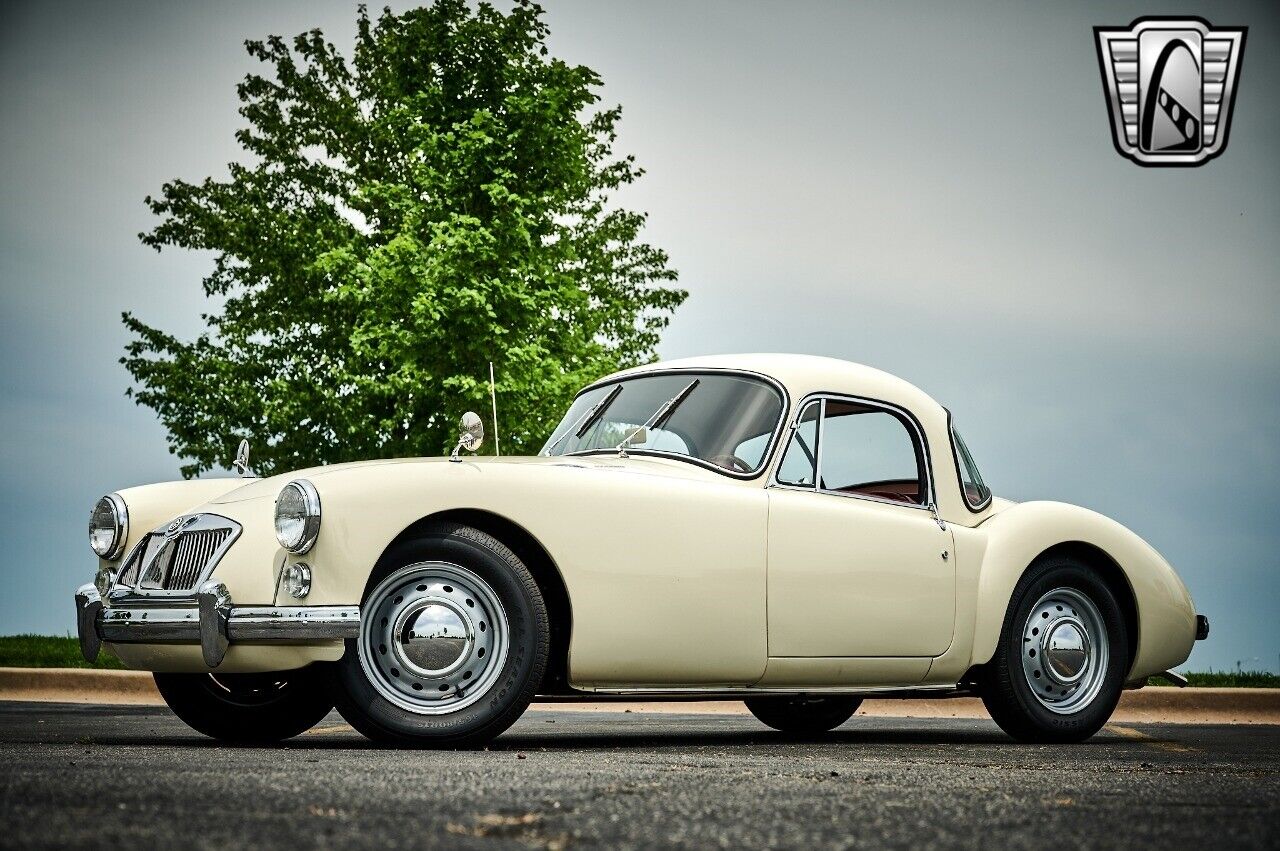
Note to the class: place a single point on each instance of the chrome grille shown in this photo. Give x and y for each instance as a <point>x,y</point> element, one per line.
<point>192,552</point>
<point>179,557</point>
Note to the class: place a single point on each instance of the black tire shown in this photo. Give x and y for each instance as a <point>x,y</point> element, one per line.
<point>803,714</point>
<point>248,708</point>
<point>1005,688</point>
<point>515,683</point>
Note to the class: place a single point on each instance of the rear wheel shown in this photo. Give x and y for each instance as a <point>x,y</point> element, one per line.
<point>248,708</point>
<point>803,714</point>
<point>453,643</point>
<point>1063,655</point>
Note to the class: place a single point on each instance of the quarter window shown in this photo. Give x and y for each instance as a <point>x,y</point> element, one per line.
<point>799,466</point>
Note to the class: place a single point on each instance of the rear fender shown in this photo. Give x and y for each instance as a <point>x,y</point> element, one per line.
<point>1019,535</point>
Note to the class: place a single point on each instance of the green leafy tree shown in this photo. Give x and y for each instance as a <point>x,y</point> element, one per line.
<point>440,201</point>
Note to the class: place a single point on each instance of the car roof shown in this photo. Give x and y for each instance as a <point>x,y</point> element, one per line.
<point>806,374</point>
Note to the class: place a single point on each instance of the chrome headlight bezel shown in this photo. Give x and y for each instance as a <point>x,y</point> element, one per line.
<point>300,537</point>
<point>119,527</point>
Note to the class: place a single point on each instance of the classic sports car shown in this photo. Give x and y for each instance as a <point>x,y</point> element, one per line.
<point>794,532</point>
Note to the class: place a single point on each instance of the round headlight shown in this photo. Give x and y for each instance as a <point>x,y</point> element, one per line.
<point>108,527</point>
<point>298,516</point>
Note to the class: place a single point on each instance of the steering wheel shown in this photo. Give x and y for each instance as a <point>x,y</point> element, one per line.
<point>731,462</point>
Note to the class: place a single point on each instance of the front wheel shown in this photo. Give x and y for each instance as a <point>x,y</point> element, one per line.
<point>1062,658</point>
<point>803,714</point>
<point>248,708</point>
<point>452,646</point>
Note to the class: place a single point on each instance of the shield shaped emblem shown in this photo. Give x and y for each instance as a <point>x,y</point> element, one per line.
<point>1170,85</point>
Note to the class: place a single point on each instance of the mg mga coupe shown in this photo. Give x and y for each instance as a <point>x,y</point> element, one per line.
<point>794,532</point>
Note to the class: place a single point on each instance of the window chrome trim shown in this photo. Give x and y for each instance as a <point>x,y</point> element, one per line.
<point>888,407</point>
<point>955,460</point>
<point>766,460</point>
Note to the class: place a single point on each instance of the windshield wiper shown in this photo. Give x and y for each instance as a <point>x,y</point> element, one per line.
<point>588,418</point>
<point>658,418</point>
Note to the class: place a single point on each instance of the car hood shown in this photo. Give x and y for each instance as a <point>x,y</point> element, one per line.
<point>639,465</point>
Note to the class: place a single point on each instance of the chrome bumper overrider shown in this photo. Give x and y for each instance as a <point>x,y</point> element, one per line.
<point>209,619</point>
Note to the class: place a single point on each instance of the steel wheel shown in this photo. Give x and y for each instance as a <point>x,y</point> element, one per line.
<point>1063,653</point>
<point>1065,650</point>
<point>435,639</point>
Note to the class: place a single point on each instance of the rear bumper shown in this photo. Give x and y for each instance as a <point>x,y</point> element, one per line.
<point>209,619</point>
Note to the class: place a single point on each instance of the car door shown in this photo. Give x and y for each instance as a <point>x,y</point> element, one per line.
<point>858,564</point>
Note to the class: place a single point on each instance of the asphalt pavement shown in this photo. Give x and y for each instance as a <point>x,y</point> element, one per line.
<point>121,776</point>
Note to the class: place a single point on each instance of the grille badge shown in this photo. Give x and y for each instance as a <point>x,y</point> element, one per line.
<point>176,527</point>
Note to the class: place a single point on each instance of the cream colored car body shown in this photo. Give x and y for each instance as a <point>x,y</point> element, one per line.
<point>680,578</point>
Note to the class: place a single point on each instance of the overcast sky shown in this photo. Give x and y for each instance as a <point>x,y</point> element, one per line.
<point>932,190</point>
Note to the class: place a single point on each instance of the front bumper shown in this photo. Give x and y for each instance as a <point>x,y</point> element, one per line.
<point>209,619</point>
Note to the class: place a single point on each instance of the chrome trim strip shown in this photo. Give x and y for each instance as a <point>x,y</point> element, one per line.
<point>738,693</point>
<point>766,460</point>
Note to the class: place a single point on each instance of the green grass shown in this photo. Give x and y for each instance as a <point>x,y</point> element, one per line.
<point>48,651</point>
<point>1227,679</point>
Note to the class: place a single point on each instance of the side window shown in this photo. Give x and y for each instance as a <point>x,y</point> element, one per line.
<point>870,451</point>
<point>801,460</point>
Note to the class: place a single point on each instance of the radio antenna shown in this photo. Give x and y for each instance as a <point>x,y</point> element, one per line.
<point>493,397</point>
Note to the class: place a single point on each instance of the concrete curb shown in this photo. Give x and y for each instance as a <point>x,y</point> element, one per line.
<point>1150,705</point>
<point>78,685</point>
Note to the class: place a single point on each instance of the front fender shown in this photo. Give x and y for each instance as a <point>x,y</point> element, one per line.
<point>665,572</point>
<point>1021,533</point>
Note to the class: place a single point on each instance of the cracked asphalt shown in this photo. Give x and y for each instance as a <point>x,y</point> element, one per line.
<point>78,775</point>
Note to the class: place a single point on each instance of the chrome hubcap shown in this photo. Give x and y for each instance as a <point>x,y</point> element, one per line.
<point>1064,650</point>
<point>433,638</point>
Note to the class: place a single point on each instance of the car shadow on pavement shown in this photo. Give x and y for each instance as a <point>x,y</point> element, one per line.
<point>605,740</point>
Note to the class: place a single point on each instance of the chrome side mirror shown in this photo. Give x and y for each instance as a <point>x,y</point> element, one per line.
<point>470,434</point>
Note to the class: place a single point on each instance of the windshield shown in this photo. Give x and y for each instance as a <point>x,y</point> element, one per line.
<point>727,421</point>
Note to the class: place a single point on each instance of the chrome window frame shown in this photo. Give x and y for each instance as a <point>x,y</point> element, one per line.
<point>926,456</point>
<point>766,460</point>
